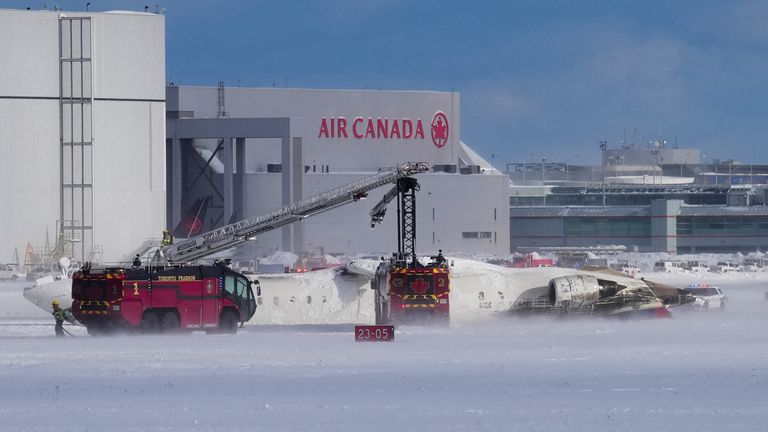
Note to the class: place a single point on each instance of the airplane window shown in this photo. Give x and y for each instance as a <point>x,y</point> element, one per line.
<point>309,299</point>
<point>481,295</point>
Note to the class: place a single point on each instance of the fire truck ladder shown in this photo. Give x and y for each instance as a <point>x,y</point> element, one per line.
<point>231,235</point>
<point>405,189</point>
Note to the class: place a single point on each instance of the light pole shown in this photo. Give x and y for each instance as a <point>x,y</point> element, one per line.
<point>566,166</point>
<point>543,160</point>
<point>603,148</point>
<point>716,162</point>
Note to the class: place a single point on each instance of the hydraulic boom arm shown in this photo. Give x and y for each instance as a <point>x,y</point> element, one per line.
<point>206,244</point>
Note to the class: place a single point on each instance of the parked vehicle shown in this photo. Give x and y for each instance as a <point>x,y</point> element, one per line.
<point>7,272</point>
<point>627,268</point>
<point>707,296</point>
<point>668,267</point>
<point>725,267</point>
<point>752,265</point>
<point>697,267</point>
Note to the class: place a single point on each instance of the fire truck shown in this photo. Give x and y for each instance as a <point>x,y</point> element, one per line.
<point>162,299</point>
<point>173,294</point>
<point>407,290</point>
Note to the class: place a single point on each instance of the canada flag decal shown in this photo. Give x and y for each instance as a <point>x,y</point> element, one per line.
<point>439,129</point>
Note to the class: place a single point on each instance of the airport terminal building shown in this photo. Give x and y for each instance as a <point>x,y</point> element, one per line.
<point>642,199</point>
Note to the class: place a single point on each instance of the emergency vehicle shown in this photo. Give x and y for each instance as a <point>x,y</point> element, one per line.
<point>162,299</point>
<point>406,289</point>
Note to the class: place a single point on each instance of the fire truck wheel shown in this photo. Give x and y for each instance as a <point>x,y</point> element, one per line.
<point>150,323</point>
<point>170,322</point>
<point>228,323</point>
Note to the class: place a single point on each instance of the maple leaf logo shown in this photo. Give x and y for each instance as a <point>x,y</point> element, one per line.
<point>439,129</point>
<point>419,286</point>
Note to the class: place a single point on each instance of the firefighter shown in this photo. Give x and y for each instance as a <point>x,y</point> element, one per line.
<point>440,259</point>
<point>167,238</point>
<point>59,314</point>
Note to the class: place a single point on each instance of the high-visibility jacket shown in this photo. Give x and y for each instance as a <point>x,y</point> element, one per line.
<point>60,314</point>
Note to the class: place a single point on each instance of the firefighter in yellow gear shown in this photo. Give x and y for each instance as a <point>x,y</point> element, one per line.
<point>60,315</point>
<point>167,238</point>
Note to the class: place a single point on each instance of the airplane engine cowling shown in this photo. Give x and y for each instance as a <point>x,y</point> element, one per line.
<point>572,292</point>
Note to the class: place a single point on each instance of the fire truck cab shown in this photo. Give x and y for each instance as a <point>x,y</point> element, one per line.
<point>162,299</point>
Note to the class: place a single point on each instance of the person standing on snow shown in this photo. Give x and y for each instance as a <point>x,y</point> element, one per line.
<point>60,315</point>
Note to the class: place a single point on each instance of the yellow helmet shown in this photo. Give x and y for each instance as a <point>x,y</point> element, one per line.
<point>55,302</point>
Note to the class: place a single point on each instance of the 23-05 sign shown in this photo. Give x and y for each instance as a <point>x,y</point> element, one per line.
<point>374,333</point>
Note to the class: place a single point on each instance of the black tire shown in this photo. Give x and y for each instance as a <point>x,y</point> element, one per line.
<point>228,322</point>
<point>14,277</point>
<point>150,323</point>
<point>170,322</point>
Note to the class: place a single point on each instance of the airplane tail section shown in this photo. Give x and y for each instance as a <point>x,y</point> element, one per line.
<point>193,219</point>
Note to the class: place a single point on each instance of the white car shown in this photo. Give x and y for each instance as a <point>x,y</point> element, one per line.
<point>697,267</point>
<point>725,267</point>
<point>7,272</point>
<point>707,296</point>
<point>668,267</point>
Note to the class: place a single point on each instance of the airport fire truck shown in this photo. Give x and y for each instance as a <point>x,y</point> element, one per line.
<point>407,290</point>
<point>172,294</point>
<point>162,299</point>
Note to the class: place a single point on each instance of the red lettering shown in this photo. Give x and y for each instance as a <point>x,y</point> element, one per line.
<point>323,129</point>
<point>407,128</point>
<point>395,132</point>
<point>419,129</point>
<point>355,123</point>
<point>382,128</point>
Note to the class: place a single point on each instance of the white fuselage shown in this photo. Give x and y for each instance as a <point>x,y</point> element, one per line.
<point>478,291</point>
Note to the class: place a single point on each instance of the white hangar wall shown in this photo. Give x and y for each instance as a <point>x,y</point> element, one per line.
<point>84,149</point>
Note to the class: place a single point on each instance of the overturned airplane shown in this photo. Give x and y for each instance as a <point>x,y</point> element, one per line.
<point>478,291</point>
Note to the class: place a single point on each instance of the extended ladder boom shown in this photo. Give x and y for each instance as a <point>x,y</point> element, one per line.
<point>206,244</point>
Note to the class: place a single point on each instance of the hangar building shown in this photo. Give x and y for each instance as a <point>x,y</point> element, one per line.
<point>252,150</point>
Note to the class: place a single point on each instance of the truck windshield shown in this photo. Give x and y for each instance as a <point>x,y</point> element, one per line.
<point>237,286</point>
<point>703,292</point>
<point>239,290</point>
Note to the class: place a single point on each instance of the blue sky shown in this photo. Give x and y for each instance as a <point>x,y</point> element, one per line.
<point>537,79</point>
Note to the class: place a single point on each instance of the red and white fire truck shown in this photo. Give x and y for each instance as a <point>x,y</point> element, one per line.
<point>162,299</point>
<point>407,290</point>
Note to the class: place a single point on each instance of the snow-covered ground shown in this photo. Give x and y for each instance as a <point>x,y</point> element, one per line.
<point>699,371</point>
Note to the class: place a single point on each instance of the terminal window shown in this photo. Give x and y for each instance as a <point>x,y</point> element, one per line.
<point>476,234</point>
